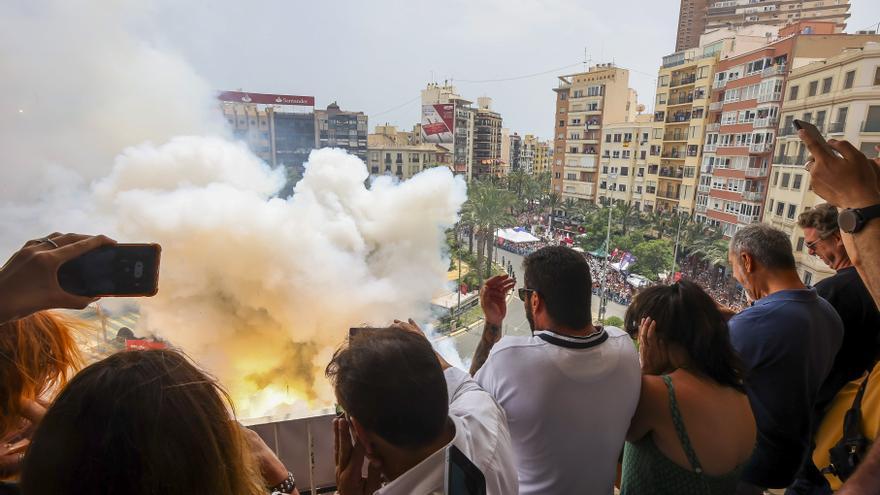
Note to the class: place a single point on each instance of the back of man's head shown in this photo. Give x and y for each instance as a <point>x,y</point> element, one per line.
<point>822,217</point>
<point>391,382</point>
<point>769,247</point>
<point>561,276</point>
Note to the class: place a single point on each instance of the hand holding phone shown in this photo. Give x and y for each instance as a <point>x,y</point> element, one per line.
<point>813,131</point>
<point>122,270</point>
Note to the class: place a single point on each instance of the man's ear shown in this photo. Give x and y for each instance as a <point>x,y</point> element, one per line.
<point>366,440</point>
<point>748,263</point>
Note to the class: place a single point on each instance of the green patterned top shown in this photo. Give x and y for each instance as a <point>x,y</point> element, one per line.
<point>647,471</point>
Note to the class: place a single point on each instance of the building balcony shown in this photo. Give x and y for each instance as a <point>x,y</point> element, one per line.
<point>679,119</point>
<point>719,84</point>
<point>765,122</point>
<point>667,195</point>
<point>710,148</point>
<point>756,172</point>
<point>756,196</point>
<point>836,127</point>
<point>675,136</point>
<point>765,98</point>
<point>713,127</point>
<point>684,81</point>
<point>700,208</point>
<point>774,70</point>
<point>673,155</point>
<point>747,219</point>
<point>703,188</point>
<point>715,106</point>
<point>670,174</point>
<point>760,147</point>
<point>684,100</point>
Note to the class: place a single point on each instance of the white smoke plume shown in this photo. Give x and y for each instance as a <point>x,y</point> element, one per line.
<point>258,289</point>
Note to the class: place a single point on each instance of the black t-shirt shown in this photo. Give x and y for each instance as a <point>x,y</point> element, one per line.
<point>861,327</point>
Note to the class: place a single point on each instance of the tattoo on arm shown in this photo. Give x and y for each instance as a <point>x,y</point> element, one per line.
<point>491,335</point>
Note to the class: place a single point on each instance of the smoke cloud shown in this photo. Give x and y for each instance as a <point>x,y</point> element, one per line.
<point>105,132</point>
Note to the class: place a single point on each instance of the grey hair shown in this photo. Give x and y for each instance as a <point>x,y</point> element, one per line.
<point>769,246</point>
<point>822,217</point>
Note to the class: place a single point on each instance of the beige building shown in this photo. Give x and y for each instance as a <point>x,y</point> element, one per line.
<point>841,96</point>
<point>486,140</point>
<point>398,153</point>
<point>252,124</point>
<point>723,13</point>
<point>528,153</point>
<point>437,100</point>
<point>583,102</point>
<point>624,162</point>
<point>543,157</point>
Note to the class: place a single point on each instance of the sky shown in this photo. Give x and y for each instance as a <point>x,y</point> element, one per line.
<point>376,55</point>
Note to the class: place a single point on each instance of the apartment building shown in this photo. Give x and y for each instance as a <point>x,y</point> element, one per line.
<point>528,153</point>
<point>691,23</point>
<point>337,128</point>
<point>515,151</point>
<point>583,102</point>
<point>624,161</point>
<point>543,157</point>
<point>726,13</point>
<point>399,153</point>
<point>841,96</point>
<point>448,119</point>
<point>744,114</point>
<point>487,140</point>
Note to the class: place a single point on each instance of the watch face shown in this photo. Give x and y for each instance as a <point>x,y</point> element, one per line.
<point>848,220</point>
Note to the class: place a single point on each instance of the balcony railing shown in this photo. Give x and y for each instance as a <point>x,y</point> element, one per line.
<point>671,174</point>
<point>836,127</point>
<point>756,172</point>
<point>719,84</point>
<point>667,195</point>
<point>713,127</point>
<point>784,160</point>
<point>760,147</point>
<point>683,100</point>
<point>675,136</point>
<point>700,208</point>
<point>673,154</point>
<point>683,81</point>
<point>681,118</point>
<point>747,219</point>
<point>765,122</point>
<point>703,188</point>
<point>753,195</point>
<point>652,170</point>
<point>715,105</point>
<point>769,97</point>
<point>774,70</point>
<point>710,148</point>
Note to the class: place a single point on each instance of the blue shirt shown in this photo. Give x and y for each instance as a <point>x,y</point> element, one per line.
<point>788,341</point>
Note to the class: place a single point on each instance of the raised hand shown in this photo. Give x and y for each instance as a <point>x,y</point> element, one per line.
<point>493,298</point>
<point>847,181</point>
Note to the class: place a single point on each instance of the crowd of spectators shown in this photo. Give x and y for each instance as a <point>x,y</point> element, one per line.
<point>711,401</point>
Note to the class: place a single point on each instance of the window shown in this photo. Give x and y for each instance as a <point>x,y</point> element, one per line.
<point>607,138</point>
<point>622,187</point>
<point>561,123</point>
<point>617,138</point>
<point>571,176</point>
<point>780,208</point>
<point>812,88</point>
<point>627,137</point>
<point>826,85</point>
<point>792,209</point>
<point>775,178</point>
<point>800,244</point>
<point>624,171</point>
<point>877,77</point>
<point>841,116</point>
<point>796,185</point>
<point>605,169</point>
<point>848,79</point>
<point>642,154</point>
<point>872,122</point>
<point>820,119</point>
<point>793,93</point>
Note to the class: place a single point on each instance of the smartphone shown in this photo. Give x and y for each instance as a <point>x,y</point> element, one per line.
<point>463,477</point>
<point>122,270</point>
<point>814,132</point>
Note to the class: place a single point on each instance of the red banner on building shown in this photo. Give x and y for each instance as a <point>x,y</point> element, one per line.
<point>266,99</point>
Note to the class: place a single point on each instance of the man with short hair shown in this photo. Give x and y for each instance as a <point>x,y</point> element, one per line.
<point>788,339</point>
<point>570,389</point>
<point>405,407</point>
<point>849,296</point>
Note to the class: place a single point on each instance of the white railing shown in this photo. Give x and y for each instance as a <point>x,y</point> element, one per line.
<point>719,84</point>
<point>769,97</point>
<point>700,208</point>
<point>756,172</point>
<point>709,148</point>
<point>753,195</point>
<point>746,219</point>
<point>713,127</point>
<point>715,105</point>
<point>766,122</point>
<point>760,147</point>
<point>703,188</point>
<point>773,70</point>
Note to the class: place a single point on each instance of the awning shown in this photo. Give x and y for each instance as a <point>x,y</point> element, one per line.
<point>515,236</point>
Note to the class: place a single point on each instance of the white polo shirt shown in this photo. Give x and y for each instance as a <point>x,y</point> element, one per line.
<point>569,402</point>
<point>480,433</point>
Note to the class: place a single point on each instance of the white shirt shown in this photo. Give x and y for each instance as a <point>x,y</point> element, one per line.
<point>480,433</point>
<point>569,402</point>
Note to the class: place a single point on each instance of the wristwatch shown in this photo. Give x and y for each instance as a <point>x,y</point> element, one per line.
<point>285,487</point>
<point>852,220</point>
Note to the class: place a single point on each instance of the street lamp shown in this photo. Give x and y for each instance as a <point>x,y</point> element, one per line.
<point>603,294</point>
<point>677,238</point>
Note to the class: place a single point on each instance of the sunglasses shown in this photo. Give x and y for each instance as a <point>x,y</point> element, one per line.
<point>523,293</point>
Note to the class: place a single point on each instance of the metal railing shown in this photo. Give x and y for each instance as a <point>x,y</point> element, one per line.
<point>774,70</point>
<point>760,147</point>
<point>753,195</point>
<point>683,81</point>
<point>747,219</point>
<point>766,122</point>
<point>715,105</point>
<point>675,119</point>
<point>764,98</point>
<point>756,172</point>
<point>670,174</point>
<point>675,136</point>
<point>719,84</point>
<point>713,127</point>
<point>710,148</point>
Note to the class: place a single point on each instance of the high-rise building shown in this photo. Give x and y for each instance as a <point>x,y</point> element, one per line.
<point>624,161</point>
<point>732,13</point>
<point>747,93</point>
<point>840,95</point>
<point>487,140</point>
<point>583,102</point>
<point>529,151</point>
<point>681,107</point>
<point>336,128</point>
<point>543,157</point>
<point>399,153</point>
<point>280,129</point>
<point>691,22</point>
<point>515,151</point>
<point>448,119</point>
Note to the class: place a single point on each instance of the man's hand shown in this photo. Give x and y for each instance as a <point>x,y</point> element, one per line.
<point>848,181</point>
<point>350,463</point>
<point>29,280</point>
<point>493,298</point>
<point>412,327</point>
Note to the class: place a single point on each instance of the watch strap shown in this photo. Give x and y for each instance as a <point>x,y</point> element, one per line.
<point>865,214</point>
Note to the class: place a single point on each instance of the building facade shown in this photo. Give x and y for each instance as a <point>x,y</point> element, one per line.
<point>841,96</point>
<point>543,157</point>
<point>624,162</point>
<point>726,13</point>
<point>691,23</point>
<point>336,128</point>
<point>487,140</point>
<point>516,144</point>
<point>448,120</point>
<point>399,153</point>
<point>583,102</point>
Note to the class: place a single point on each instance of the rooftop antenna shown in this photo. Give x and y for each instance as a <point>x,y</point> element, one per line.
<point>587,60</point>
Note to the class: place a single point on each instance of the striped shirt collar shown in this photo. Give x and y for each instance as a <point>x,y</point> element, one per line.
<point>571,341</point>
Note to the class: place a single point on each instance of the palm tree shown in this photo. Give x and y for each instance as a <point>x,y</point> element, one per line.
<point>627,214</point>
<point>552,201</point>
<point>488,208</point>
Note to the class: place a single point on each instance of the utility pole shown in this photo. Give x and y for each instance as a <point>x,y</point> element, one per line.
<point>677,238</point>
<point>603,293</point>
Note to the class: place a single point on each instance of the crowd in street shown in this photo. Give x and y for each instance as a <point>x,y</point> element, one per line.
<point>709,401</point>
